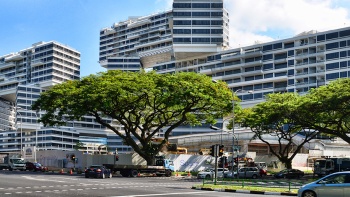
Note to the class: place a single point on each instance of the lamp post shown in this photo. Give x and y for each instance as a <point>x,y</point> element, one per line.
<point>233,125</point>
<point>36,136</point>
<point>21,147</point>
<point>233,131</point>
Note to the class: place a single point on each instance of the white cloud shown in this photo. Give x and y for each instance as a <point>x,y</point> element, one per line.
<point>266,20</point>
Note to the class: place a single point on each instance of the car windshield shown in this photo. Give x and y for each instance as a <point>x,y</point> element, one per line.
<point>283,171</point>
<point>37,164</point>
<point>320,163</point>
<point>18,161</point>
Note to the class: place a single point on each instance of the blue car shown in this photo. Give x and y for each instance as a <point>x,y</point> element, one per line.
<point>98,171</point>
<point>333,185</point>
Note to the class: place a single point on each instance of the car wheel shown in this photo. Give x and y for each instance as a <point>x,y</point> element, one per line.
<point>134,173</point>
<point>309,194</point>
<point>207,176</point>
<point>86,176</point>
<point>254,176</point>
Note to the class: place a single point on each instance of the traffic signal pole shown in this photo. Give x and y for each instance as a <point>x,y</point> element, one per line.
<point>216,150</point>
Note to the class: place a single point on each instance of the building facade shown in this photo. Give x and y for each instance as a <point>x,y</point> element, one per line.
<point>191,28</point>
<point>23,76</point>
<point>193,37</point>
<point>296,64</point>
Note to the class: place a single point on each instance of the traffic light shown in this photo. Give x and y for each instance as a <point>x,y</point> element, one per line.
<point>221,150</point>
<point>72,157</point>
<point>212,150</point>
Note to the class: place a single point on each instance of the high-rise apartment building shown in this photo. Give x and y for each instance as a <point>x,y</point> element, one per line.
<point>191,28</point>
<point>296,64</point>
<point>23,76</point>
<point>193,37</point>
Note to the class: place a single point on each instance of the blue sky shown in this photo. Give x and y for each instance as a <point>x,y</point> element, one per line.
<point>76,23</point>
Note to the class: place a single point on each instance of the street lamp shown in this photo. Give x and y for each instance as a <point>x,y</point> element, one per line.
<point>233,124</point>
<point>233,128</point>
<point>36,133</point>
<point>21,147</point>
<point>223,163</point>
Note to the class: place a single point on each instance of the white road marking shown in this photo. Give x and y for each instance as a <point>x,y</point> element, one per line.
<point>165,194</point>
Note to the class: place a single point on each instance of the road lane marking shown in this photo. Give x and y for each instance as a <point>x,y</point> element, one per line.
<point>165,194</point>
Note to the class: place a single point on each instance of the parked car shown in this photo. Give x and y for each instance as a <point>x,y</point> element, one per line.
<point>289,173</point>
<point>333,185</point>
<point>229,174</point>
<point>210,173</point>
<point>249,172</point>
<point>98,171</point>
<point>34,166</point>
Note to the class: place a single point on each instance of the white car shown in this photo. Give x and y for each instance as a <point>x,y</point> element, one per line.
<point>210,173</point>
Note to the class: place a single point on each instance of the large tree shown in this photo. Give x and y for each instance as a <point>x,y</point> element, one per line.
<point>327,109</point>
<point>143,103</point>
<point>275,118</point>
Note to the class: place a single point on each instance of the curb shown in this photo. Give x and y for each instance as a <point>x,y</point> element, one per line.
<point>246,191</point>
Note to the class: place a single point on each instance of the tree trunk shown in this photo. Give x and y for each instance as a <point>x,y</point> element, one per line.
<point>150,160</point>
<point>287,162</point>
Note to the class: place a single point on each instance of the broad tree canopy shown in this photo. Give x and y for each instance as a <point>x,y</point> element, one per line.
<point>275,119</point>
<point>327,109</point>
<point>144,103</point>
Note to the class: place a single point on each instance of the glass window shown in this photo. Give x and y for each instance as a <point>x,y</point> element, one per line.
<point>200,22</point>
<point>200,13</point>
<point>343,54</point>
<point>343,64</point>
<point>332,76</point>
<point>343,74</point>
<point>277,45</point>
<point>344,33</point>
<point>182,22</point>
<point>267,66</point>
<point>333,45</point>
<point>267,57</point>
<point>290,62</point>
<point>200,5</point>
<point>181,5</point>
<point>267,47</point>
<point>332,35</point>
<point>321,38</point>
<point>332,56</point>
<point>201,31</point>
<point>270,75</point>
<point>289,45</point>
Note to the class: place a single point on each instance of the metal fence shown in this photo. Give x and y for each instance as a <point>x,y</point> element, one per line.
<point>263,183</point>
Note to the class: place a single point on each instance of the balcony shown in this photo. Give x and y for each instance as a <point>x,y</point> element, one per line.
<point>139,23</point>
<point>280,60</point>
<point>14,57</point>
<point>254,63</point>
<point>37,63</point>
<point>231,56</point>
<point>7,65</point>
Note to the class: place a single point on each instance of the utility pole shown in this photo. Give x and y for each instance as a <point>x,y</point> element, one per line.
<point>216,162</point>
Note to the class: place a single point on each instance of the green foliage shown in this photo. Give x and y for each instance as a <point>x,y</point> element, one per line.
<point>143,103</point>
<point>327,109</point>
<point>79,145</point>
<point>276,118</point>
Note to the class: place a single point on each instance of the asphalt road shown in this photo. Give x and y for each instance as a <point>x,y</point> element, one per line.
<point>31,184</point>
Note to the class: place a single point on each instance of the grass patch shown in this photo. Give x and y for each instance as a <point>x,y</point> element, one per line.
<point>251,188</point>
